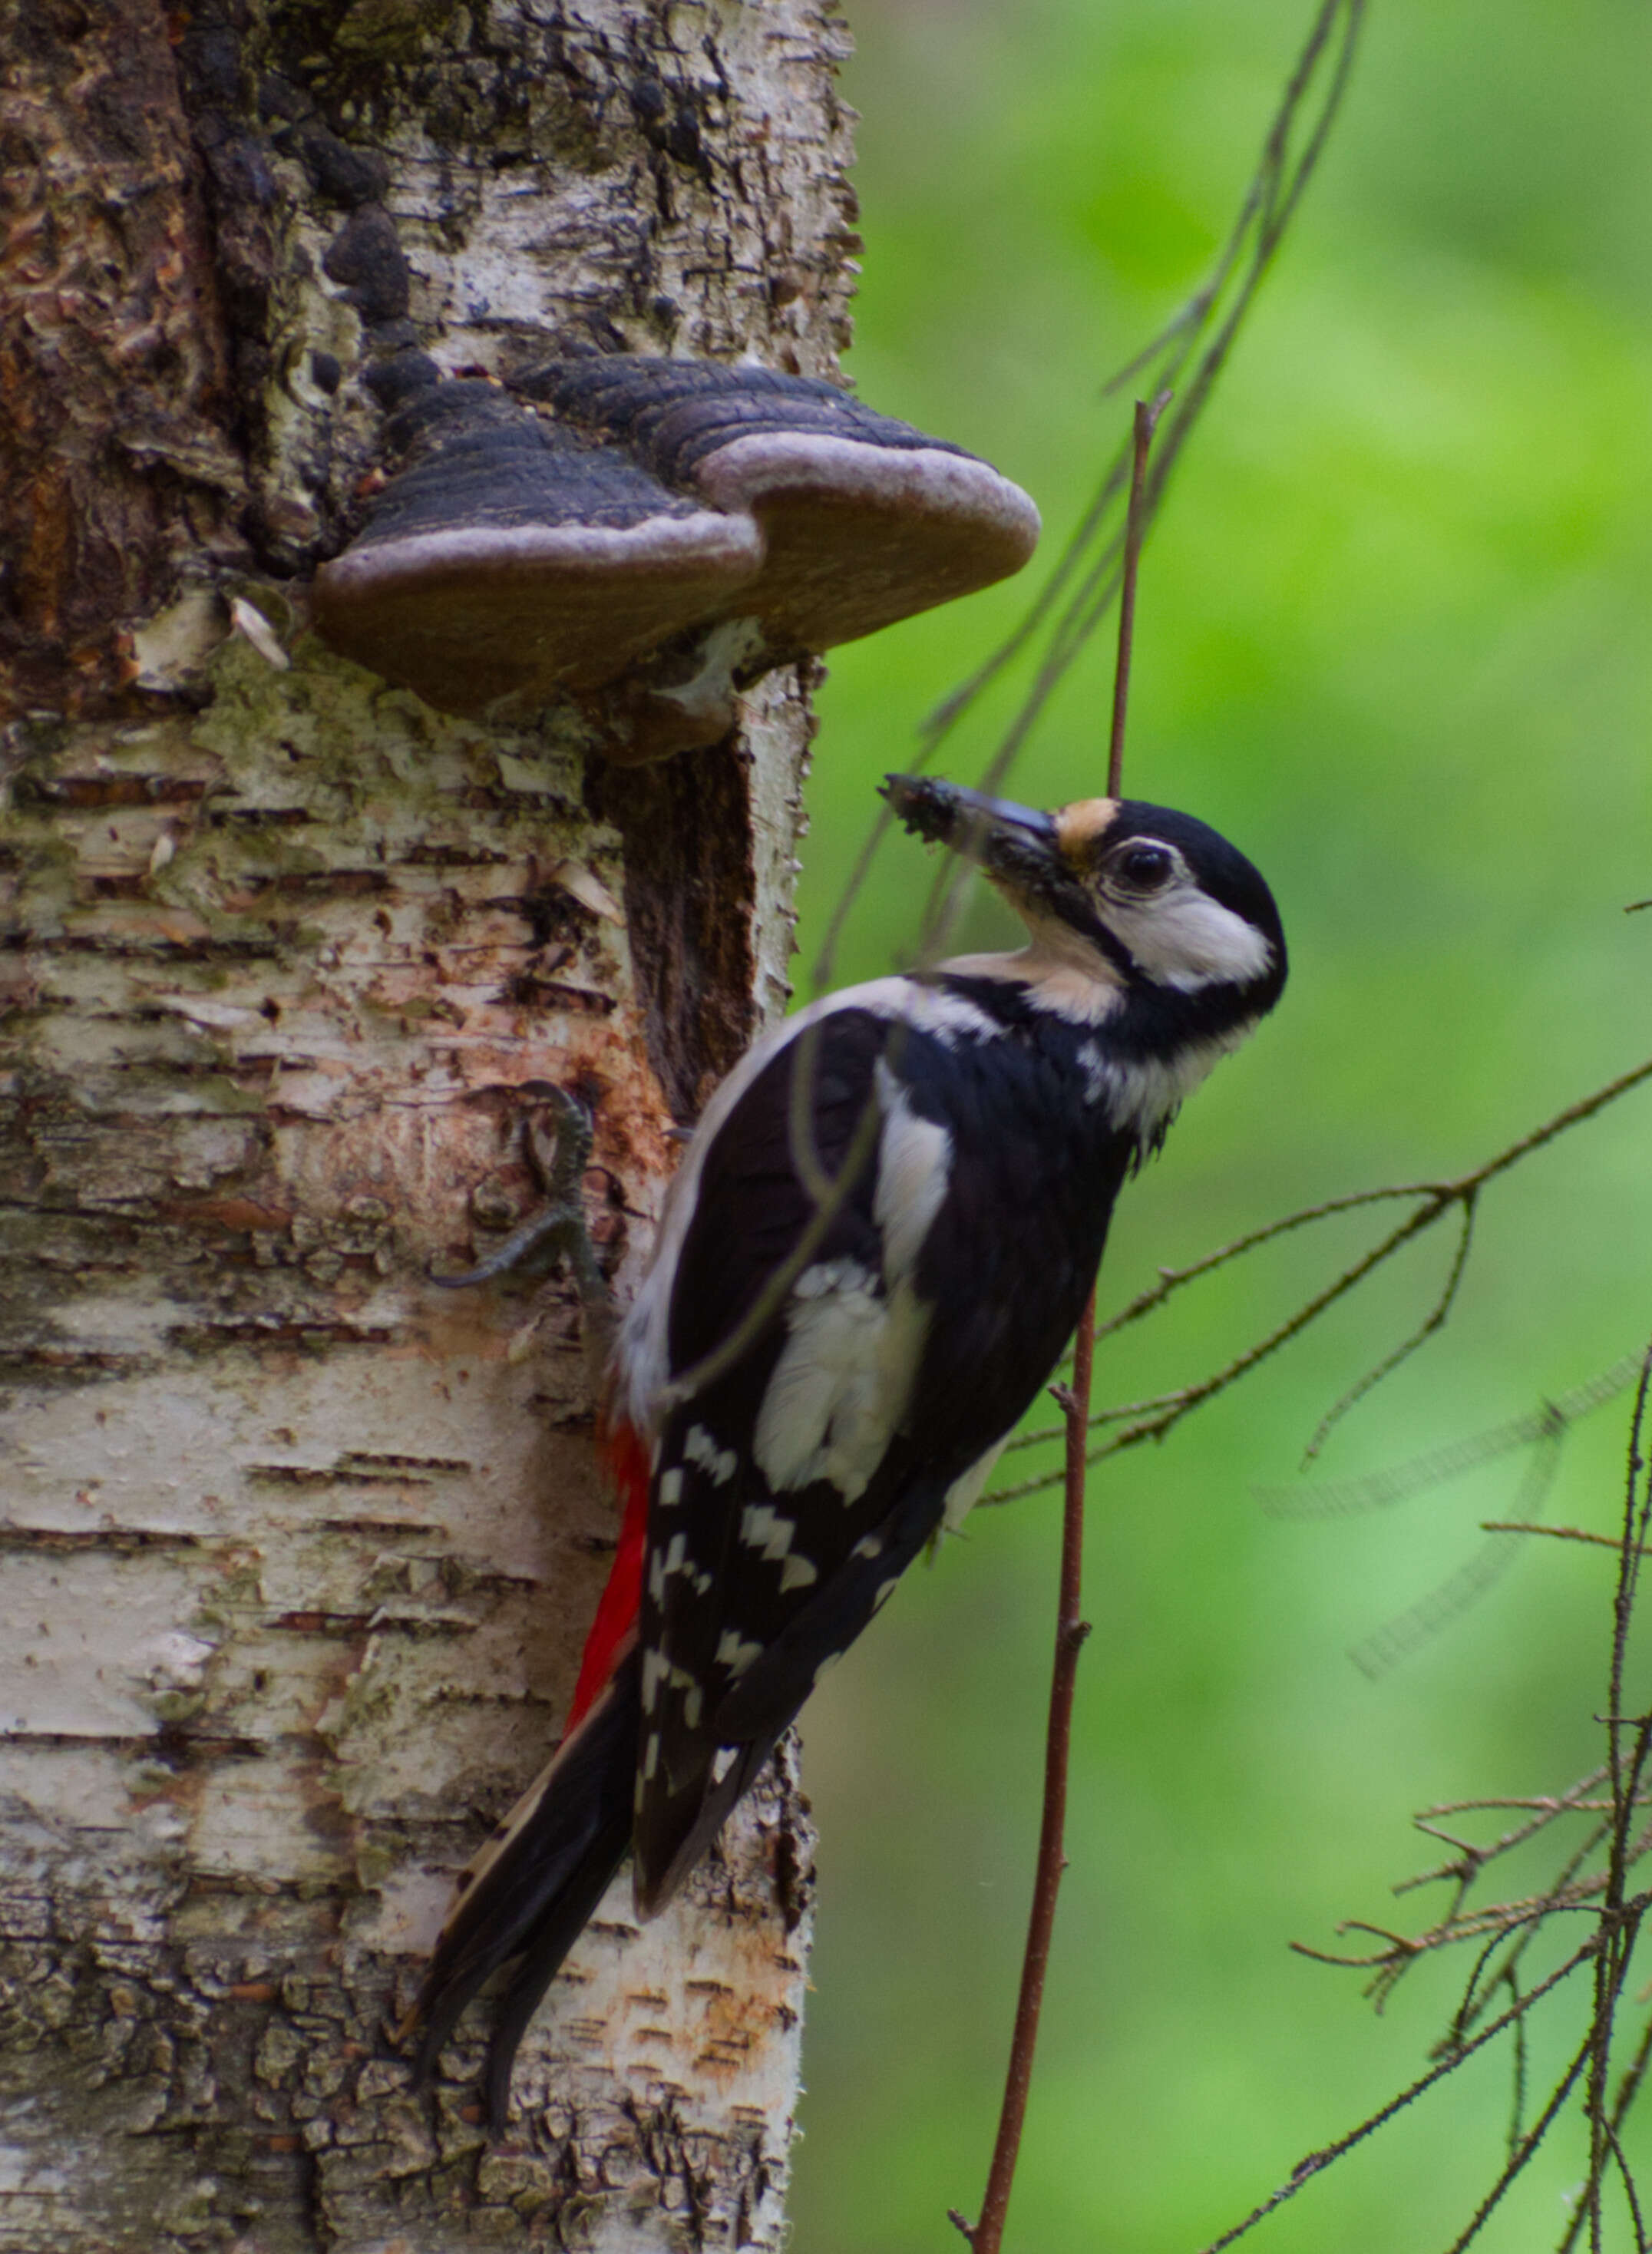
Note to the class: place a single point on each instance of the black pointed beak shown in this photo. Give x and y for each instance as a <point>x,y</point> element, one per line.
<point>1016,845</point>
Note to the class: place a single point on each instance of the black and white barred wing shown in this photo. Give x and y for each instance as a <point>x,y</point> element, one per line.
<point>790,1492</point>
<point>786,1499</point>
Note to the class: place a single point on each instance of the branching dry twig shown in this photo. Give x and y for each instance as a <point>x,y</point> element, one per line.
<point>1316,2163</point>
<point>1592,1881</point>
<point>986,2235</point>
<point>1152,1418</point>
<point>1091,566</point>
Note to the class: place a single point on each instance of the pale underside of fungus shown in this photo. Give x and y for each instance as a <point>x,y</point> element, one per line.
<point>652,536</point>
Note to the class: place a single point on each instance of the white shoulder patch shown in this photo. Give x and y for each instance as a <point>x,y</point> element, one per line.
<point>914,1161</point>
<point>641,1363</point>
<point>842,1381</point>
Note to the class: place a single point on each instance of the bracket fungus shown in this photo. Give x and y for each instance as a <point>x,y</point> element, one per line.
<point>649,536</point>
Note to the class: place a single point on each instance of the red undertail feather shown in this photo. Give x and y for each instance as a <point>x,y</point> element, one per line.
<point>627,1458</point>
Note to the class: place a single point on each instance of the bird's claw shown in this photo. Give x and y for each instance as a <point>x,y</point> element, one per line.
<point>557,1152</point>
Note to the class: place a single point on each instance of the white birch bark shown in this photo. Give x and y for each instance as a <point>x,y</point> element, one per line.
<point>296,1549</point>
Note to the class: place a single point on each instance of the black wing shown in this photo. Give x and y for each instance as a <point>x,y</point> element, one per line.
<point>793,1488</point>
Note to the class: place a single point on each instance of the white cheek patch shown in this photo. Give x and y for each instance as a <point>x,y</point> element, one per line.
<point>1187,940</point>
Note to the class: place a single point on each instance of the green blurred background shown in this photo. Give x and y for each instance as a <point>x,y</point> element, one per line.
<point>1394,642</point>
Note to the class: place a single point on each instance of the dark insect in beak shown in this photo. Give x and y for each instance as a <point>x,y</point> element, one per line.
<point>1017,845</point>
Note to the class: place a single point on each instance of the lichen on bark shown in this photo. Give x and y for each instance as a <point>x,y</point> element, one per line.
<point>298,1549</point>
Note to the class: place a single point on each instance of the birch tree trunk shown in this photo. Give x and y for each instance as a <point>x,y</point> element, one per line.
<point>297,1551</point>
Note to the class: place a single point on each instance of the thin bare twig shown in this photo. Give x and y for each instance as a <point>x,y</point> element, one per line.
<point>1522,2153</point>
<point>1621,1923</point>
<point>1142,431</point>
<point>1433,1322</point>
<point>1153,1418</point>
<point>1074,1399</point>
<point>1629,2089</point>
<point>1070,1632</point>
<point>1626,2177</point>
<point>1305,2170</point>
<point>1522,2068</point>
<point>1080,589</point>
<point>1270,201</point>
<point>1546,1805</point>
<point>1554,1533</point>
<point>1592,1881</point>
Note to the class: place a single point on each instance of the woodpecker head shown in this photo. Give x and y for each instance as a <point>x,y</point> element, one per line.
<point>1131,895</point>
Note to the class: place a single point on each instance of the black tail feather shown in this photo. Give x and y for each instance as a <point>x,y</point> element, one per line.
<point>531,1900</point>
<point>542,1960</point>
<point>675,1827</point>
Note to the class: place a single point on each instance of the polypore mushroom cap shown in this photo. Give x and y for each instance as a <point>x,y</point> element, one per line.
<point>510,558</point>
<point>734,518</point>
<point>864,520</point>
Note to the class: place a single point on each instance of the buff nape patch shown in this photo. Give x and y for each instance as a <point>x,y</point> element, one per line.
<point>1079,827</point>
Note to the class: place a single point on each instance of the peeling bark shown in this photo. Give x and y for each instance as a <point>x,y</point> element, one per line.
<point>297,1550</point>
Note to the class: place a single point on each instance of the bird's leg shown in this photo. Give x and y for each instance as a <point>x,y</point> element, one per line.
<point>556,1137</point>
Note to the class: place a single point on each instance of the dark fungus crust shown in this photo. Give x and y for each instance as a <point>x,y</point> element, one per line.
<point>695,523</point>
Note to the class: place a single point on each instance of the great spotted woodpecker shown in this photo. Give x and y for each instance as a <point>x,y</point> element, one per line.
<point>880,1238</point>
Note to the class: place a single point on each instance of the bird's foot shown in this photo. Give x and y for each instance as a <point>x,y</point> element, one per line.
<point>557,1137</point>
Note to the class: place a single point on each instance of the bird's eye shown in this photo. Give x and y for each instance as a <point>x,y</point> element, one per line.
<point>1142,867</point>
